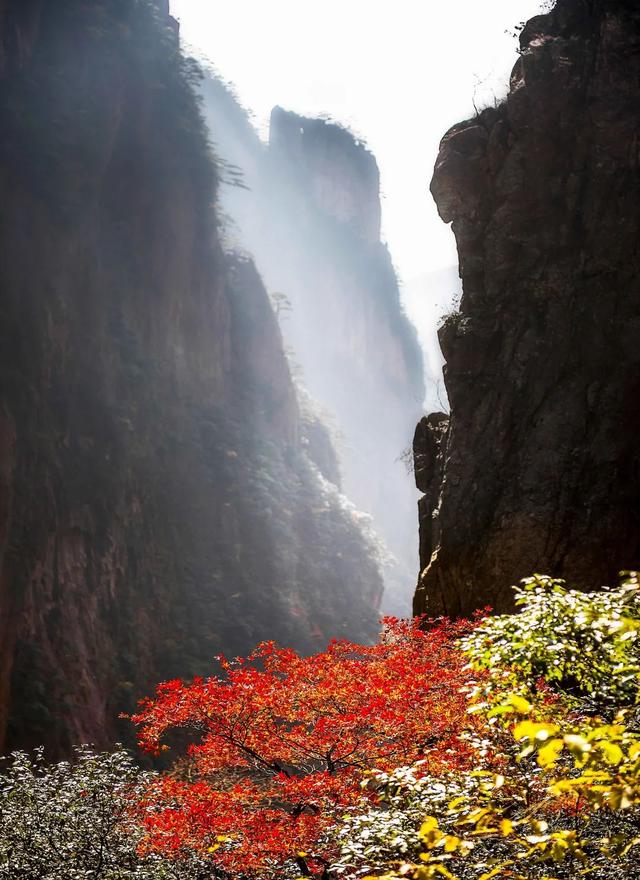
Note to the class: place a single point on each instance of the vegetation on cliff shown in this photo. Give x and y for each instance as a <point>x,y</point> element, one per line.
<point>146,400</point>
<point>186,509</point>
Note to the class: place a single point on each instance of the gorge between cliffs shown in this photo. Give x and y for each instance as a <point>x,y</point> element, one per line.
<point>210,385</point>
<point>207,380</point>
<point>319,440</point>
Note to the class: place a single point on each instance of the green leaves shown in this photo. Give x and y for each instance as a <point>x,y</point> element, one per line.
<point>556,789</point>
<point>584,644</point>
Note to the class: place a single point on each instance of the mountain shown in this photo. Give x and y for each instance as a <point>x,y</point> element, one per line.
<point>430,298</point>
<point>537,468</point>
<point>307,209</point>
<point>164,493</point>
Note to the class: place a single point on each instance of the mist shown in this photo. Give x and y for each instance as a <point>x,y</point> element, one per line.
<point>346,598</point>
<point>375,252</point>
<point>305,206</point>
<point>398,75</point>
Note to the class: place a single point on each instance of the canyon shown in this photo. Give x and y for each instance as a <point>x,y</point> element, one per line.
<point>308,211</point>
<point>208,385</point>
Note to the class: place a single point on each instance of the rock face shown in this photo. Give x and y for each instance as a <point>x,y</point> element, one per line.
<point>429,444</point>
<point>161,497</point>
<point>311,219</point>
<point>539,469</point>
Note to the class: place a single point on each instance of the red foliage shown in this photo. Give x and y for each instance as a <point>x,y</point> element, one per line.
<point>285,740</point>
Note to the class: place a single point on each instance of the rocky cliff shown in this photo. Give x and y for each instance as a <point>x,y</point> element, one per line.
<point>538,470</point>
<point>159,497</point>
<point>310,215</point>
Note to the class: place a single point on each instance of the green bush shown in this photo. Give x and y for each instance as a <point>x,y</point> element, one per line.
<point>553,729</point>
<point>584,644</point>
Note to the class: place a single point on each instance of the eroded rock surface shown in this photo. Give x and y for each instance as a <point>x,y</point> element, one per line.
<point>540,469</point>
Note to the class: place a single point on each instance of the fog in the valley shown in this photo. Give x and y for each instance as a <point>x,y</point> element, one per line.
<point>359,318</point>
<point>398,74</point>
<point>306,207</point>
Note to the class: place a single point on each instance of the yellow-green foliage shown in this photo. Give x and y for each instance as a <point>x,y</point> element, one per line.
<point>556,793</point>
<point>581,643</point>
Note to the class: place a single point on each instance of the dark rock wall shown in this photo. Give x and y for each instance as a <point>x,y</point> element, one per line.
<point>157,503</point>
<point>429,444</point>
<point>540,467</point>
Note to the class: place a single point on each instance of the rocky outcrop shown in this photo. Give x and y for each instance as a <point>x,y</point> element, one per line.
<point>310,215</point>
<point>158,504</point>
<point>429,443</point>
<point>337,175</point>
<point>540,465</point>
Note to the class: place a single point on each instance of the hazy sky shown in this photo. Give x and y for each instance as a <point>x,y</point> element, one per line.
<point>398,72</point>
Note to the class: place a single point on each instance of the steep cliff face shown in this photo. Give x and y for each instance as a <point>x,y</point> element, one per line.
<point>311,218</point>
<point>157,502</point>
<point>539,469</point>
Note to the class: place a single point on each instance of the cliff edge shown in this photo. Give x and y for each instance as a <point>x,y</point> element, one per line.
<point>538,468</point>
<point>310,216</point>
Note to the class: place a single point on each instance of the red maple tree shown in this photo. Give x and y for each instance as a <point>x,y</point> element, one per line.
<point>285,739</point>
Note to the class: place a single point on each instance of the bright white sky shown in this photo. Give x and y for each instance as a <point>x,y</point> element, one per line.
<point>398,72</point>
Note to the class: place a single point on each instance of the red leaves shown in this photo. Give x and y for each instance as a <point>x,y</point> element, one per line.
<point>285,740</point>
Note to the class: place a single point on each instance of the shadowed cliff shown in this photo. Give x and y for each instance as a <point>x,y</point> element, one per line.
<point>161,496</point>
<point>538,470</point>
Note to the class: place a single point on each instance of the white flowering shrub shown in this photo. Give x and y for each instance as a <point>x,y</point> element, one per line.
<point>74,821</point>
<point>388,831</point>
